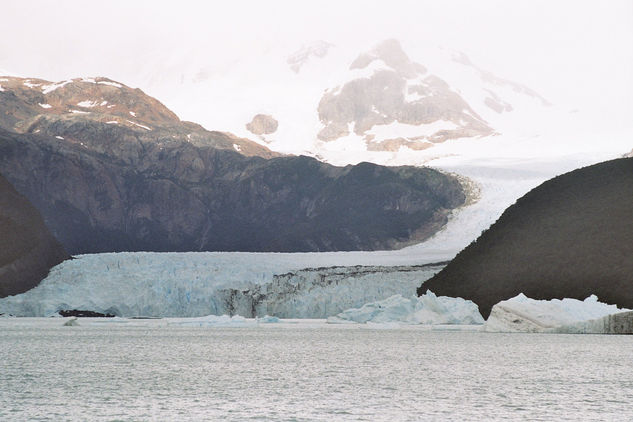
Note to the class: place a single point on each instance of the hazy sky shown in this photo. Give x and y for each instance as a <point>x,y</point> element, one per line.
<point>570,51</point>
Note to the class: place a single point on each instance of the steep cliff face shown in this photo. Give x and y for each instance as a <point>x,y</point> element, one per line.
<point>570,237</point>
<point>155,183</point>
<point>27,249</point>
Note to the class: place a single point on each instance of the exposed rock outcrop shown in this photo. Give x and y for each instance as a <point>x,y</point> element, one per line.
<point>570,237</point>
<point>155,183</point>
<point>27,248</point>
<point>398,95</point>
<point>64,109</point>
<point>262,124</point>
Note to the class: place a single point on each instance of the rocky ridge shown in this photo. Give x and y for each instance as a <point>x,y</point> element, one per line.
<point>112,169</point>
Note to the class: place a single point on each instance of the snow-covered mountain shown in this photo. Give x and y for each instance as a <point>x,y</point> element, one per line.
<point>341,103</point>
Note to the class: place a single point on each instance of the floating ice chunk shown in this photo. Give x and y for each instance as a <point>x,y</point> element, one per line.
<point>522,314</point>
<point>45,105</point>
<point>267,319</point>
<point>427,309</point>
<point>214,321</point>
<point>72,322</point>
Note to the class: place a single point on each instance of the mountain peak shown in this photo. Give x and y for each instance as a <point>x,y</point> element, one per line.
<point>62,109</point>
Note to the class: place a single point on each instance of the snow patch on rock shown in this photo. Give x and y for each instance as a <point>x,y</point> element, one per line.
<point>47,89</point>
<point>87,104</point>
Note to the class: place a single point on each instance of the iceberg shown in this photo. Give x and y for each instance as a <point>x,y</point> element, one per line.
<point>215,321</point>
<point>522,314</point>
<point>427,309</point>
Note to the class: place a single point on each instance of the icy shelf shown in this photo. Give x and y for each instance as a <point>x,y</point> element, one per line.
<point>427,309</point>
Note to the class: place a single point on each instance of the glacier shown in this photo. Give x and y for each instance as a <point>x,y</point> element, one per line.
<point>522,314</point>
<point>427,309</point>
<point>251,285</point>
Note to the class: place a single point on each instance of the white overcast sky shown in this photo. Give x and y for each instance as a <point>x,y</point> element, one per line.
<point>570,51</point>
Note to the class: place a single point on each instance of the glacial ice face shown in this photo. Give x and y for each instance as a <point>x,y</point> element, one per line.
<point>522,314</point>
<point>198,284</point>
<point>427,309</point>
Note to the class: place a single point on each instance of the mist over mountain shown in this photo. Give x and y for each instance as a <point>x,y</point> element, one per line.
<point>570,237</point>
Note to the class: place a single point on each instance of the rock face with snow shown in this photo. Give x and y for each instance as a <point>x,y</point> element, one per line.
<point>77,110</point>
<point>570,237</point>
<point>395,94</point>
<point>522,314</point>
<point>198,284</point>
<point>133,177</point>
<point>27,248</point>
<point>427,309</point>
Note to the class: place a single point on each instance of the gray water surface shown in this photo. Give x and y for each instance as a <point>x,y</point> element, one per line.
<point>305,372</point>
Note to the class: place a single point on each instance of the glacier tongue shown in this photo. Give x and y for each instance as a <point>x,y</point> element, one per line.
<point>427,309</point>
<point>198,284</point>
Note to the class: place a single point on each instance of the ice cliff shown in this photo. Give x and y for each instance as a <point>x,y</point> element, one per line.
<point>198,284</point>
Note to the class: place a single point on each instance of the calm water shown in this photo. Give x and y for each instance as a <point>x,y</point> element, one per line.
<point>297,372</point>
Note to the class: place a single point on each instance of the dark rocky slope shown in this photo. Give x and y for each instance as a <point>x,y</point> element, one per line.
<point>572,237</point>
<point>28,250</point>
<point>158,184</point>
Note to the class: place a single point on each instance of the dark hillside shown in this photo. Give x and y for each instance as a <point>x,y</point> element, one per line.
<point>572,237</point>
<point>27,249</point>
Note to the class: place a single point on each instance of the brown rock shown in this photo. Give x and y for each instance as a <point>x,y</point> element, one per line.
<point>262,124</point>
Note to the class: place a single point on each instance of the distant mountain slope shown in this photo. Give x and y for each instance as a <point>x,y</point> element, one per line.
<point>133,177</point>
<point>61,108</point>
<point>28,250</point>
<point>570,237</point>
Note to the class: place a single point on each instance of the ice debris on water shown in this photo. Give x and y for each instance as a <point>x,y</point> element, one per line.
<point>522,314</point>
<point>427,309</point>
